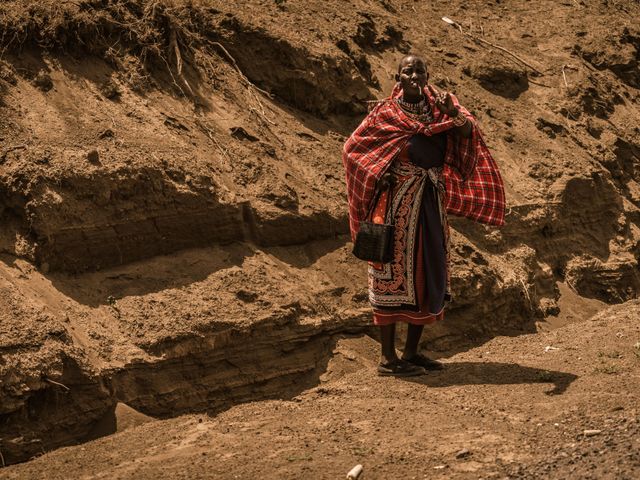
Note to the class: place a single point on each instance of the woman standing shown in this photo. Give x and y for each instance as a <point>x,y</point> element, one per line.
<point>417,156</point>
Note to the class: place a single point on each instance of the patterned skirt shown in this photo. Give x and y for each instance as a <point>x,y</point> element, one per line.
<point>413,287</point>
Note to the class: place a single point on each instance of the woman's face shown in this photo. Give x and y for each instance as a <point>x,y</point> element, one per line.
<point>412,76</point>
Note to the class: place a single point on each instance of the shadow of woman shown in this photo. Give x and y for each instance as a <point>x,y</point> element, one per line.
<point>492,373</point>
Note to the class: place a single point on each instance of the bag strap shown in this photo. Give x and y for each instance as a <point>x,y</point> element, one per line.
<point>376,198</point>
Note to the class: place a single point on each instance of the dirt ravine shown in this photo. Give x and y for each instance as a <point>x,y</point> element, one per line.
<point>175,257</point>
<point>549,405</point>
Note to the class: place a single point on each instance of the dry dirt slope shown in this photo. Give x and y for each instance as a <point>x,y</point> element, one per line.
<point>518,406</point>
<point>158,213</point>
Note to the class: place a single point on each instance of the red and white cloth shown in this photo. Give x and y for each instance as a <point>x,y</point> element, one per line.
<point>474,187</point>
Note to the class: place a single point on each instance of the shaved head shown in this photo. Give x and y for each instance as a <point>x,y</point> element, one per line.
<point>408,58</point>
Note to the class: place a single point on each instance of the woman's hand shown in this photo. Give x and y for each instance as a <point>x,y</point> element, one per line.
<point>444,102</point>
<point>387,181</point>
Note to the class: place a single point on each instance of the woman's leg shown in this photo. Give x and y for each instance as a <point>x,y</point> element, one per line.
<point>388,343</point>
<point>390,364</point>
<point>414,332</point>
<point>411,354</point>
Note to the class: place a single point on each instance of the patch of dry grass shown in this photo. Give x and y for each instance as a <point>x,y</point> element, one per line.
<point>129,34</point>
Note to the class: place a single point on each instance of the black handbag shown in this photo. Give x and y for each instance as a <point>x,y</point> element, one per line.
<point>374,241</point>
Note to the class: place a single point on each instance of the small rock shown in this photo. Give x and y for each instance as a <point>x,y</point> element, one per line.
<point>93,157</point>
<point>246,296</point>
<point>241,134</point>
<point>348,356</point>
<point>355,473</point>
<point>464,453</point>
<point>268,149</point>
<point>43,81</point>
<point>110,90</point>
<point>591,433</point>
<point>108,133</point>
<point>8,73</point>
<point>307,136</point>
<point>171,122</point>
<point>43,159</point>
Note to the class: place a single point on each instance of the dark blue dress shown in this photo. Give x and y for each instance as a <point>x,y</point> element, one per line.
<point>429,152</point>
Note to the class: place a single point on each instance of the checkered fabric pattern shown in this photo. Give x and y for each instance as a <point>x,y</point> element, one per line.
<point>473,183</point>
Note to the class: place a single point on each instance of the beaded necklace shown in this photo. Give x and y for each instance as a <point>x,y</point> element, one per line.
<point>420,111</point>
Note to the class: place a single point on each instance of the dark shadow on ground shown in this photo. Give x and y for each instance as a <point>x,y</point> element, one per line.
<point>493,373</point>
<point>150,275</point>
<point>212,381</point>
<point>305,255</point>
<point>176,270</point>
<point>338,125</point>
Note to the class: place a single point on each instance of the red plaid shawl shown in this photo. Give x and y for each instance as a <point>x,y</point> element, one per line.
<point>473,183</point>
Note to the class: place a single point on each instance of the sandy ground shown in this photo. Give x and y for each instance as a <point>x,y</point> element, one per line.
<point>516,407</point>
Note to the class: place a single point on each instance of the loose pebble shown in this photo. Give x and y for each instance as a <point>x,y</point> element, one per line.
<point>463,453</point>
<point>355,472</point>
